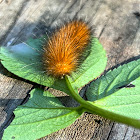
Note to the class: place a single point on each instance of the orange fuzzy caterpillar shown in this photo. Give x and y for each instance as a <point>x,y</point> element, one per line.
<point>63,49</point>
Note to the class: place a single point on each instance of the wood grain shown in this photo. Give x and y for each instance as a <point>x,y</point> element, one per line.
<point>117,25</point>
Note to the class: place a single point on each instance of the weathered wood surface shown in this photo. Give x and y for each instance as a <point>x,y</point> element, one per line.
<point>117,25</point>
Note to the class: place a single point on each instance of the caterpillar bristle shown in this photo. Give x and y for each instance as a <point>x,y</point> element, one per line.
<point>65,47</point>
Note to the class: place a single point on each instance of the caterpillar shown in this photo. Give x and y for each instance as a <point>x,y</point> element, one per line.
<point>64,48</point>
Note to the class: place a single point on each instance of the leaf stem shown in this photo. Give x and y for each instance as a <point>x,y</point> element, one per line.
<point>94,109</point>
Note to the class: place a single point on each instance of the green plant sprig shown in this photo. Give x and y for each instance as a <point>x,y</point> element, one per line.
<point>114,95</point>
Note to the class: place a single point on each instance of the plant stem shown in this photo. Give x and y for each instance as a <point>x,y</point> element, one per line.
<point>94,109</point>
<point>85,104</point>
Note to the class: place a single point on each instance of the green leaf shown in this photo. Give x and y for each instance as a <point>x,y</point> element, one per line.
<point>112,80</point>
<point>25,61</point>
<point>118,92</point>
<point>125,101</point>
<point>92,66</point>
<point>40,116</point>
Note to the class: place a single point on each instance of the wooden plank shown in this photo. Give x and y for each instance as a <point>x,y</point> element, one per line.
<point>117,26</point>
<point>9,14</point>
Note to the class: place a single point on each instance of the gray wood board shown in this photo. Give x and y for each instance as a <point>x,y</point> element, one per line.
<point>116,24</point>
